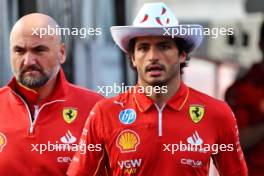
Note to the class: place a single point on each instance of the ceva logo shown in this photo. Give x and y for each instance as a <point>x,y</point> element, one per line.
<point>191,162</point>
<point>127,116</point>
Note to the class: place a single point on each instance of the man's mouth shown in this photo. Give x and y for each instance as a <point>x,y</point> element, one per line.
<point>31,72</point>
<point>155,70</point>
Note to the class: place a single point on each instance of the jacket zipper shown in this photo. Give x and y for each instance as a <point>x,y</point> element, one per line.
<point>160,118</point>
<point>36,113</point>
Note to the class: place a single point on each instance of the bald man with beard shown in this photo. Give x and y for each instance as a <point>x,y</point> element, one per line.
<point>41,114</point>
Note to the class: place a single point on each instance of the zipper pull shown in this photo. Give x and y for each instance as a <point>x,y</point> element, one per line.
<point>36,111</point>
<point>31,129</point>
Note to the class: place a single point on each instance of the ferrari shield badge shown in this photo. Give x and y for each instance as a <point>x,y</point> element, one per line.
<point>69,114</point>
<point>196,113</point>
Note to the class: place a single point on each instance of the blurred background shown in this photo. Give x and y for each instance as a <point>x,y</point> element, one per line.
<point>96,61</point>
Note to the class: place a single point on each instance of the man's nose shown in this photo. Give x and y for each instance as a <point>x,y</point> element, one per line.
<point>153,54</point>
<point>29,59</point>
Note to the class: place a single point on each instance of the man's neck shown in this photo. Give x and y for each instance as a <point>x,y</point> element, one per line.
<point>162,98</point>
<point>46,90</point>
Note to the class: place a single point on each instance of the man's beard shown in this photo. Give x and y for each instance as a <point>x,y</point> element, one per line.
<point>31,81</point>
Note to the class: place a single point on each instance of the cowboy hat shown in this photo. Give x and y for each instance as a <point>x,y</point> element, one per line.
<point>156,19</point>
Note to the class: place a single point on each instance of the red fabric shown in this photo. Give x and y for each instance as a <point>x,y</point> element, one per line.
<point>29,95</point>
<point>246,98</point>
<point>137,147</point>
<point>17,156</point>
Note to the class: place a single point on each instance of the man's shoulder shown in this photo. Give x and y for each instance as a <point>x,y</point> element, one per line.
<point>121,101</point>
<point>4,90</point>
<point>83,92</point>
<point>5,95</point>
<point>218,110</point>
<point>203,96</point>
<point>214,103</point>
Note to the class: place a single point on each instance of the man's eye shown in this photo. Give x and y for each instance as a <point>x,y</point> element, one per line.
<point>165,47</point>
<point>19,50</point>
<point>40,49</point>
<point>142,48</point>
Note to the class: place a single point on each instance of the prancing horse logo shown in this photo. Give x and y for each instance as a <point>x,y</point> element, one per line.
<point>196,113</point>
<point>69,114</point>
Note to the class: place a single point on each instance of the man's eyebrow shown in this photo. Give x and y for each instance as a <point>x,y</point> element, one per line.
<point>37,47</point>
<point>157,43</point>
<point>143,43</point>
<point>17,47</point>
<point>140,44</point>
<point>40,47</point>
<point>165,42</point>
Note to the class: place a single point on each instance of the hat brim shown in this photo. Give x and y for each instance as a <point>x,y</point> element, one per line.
<point>123,34</point>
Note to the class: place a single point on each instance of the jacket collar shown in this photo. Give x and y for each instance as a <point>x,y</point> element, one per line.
<point>176,102</point>
<point>31,96</point>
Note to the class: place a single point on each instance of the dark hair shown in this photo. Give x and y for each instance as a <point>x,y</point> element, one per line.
<point>180,43</point>
<point>261,35</point>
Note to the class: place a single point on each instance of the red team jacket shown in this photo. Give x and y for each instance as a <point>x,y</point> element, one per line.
<point>58,120</point>
<point>130,135</point>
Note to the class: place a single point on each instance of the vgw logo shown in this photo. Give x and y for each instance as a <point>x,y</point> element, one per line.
<point>130,166</point>
<point>127,116</point>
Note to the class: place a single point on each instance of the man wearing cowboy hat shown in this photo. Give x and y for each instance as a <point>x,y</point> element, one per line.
<point>171,133</point>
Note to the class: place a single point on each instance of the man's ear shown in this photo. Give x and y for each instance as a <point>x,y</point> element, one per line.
<point>183,57</point>
<point>62,53</point>
<point>133,60</point>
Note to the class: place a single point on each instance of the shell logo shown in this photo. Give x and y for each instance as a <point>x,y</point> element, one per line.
<point>127,141</point>
<point>2,141</point>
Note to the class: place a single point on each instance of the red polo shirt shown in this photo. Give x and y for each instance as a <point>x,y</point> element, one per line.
<point>133,136</point>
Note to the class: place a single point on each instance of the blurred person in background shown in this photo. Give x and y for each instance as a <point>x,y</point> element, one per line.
<point>246,98</point>
<point>138,134</point>
<point>41,113</point>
